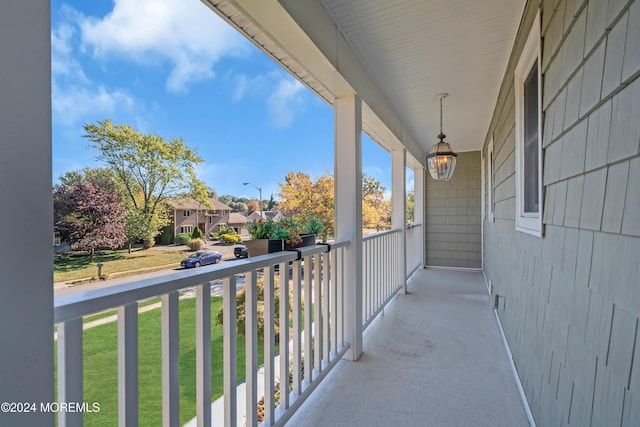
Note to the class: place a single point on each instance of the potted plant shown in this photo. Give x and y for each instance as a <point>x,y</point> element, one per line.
<point>261,242</point>
<point>269,236</point>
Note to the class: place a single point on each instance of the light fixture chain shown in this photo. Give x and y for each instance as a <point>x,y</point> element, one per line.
<point>441,115</point>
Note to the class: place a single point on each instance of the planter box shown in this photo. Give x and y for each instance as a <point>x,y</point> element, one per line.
<point>263,246</point>
<point>307,240</point>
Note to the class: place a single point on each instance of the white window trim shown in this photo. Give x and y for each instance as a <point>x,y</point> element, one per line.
<point>186,229</point>
<point>482,185</point>
<point>528,223</point>
<point>490,164</point>
<point>186,213</point>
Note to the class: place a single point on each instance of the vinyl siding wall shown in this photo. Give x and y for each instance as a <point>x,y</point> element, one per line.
<point>570,301</point>
<point>453,235</point>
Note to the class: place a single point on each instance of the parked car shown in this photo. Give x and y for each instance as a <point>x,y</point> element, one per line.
<point>241,251</point>
<point>201,258</point>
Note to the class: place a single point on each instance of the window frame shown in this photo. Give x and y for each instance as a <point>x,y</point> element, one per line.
<point>528,222</point>
<point>490,170</point>
<point>186,229</point>
<point>186,213</point>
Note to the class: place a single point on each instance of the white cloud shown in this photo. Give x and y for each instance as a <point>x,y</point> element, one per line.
<point>373,171</point>
<point>74,95</point>
<point>185,33</point>
<point>71,104</point>
<point>285,101</point>
<point>63,63</point>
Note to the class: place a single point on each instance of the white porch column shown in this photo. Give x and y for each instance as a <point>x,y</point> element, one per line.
<point>418,208</point>
<point>399,208</point>
<point>348,212</point>
<point>26,291</point>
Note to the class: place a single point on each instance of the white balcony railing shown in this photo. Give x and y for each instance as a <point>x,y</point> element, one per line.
<point>315,272</point>
<point>381,272</point>
<point>414,256</point>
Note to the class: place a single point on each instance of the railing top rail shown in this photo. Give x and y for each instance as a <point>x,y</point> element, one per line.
<point>380,234</point>
<point>72,306</point>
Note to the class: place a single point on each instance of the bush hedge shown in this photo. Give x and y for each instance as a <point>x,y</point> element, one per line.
<point>196,244</point>
<point>183,238</point>
<point>196,234</point>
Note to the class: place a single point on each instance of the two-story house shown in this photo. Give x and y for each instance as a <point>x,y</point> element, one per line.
<point>187,213</point>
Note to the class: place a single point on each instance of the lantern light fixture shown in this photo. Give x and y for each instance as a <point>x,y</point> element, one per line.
<point>441,160</point>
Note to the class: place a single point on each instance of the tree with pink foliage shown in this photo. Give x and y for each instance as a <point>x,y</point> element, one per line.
<point>88,216</point>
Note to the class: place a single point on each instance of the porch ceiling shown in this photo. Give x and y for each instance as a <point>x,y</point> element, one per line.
<point>417,48</point>
<point>396,55</point>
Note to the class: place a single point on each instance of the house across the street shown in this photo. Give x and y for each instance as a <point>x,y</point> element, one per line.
<point>187,213</point>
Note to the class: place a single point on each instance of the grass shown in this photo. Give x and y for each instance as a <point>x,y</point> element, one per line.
<point>101,367</point>
<point>69,267</point>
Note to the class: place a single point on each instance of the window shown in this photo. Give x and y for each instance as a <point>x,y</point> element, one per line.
<point>528,135</point>
<point>210,220</point>
<point>186,213</point>
<point>56,238</point>
<point>490,167</point>
<point>186,229</point>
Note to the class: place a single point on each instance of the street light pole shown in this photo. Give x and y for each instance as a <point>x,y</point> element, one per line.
<point>260,191</point>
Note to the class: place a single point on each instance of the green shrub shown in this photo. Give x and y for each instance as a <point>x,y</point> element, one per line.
<point>196,244</point>
<point>166,237</point>
<point>240,310</point>
<point>183,238</point>
<point>230,238</point>
<point>197,233</point>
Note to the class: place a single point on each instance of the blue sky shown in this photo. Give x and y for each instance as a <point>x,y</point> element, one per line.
<point>173,68</point>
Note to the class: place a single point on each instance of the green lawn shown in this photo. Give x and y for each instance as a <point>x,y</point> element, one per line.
<point>68,267</point>
<point>101,368</point>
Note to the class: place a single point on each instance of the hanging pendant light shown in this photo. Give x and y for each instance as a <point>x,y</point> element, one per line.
<point>441,160</point>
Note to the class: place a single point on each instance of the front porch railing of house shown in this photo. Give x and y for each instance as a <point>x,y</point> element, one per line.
<point>414,255</point>
<point>381,271</point>
<point>316,342</point>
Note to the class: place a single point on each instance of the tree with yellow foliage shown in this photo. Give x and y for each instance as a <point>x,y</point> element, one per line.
<point>303,198</point>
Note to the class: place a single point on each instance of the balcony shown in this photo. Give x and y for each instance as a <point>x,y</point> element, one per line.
<point>434,353</point>
<point>433,357</point>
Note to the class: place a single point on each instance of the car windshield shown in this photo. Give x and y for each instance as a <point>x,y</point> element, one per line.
<point>196,255</point>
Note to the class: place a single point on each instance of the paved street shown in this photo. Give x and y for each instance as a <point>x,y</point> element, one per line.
<point>60,289</point>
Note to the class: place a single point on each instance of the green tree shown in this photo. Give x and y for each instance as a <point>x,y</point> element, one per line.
<point>410,206</point>
<point>149,167</point>
<point>237,204</point>
<point>138,227</point>
<point>272,203</point>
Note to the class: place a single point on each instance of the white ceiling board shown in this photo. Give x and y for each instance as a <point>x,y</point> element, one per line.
<point>417,48</point>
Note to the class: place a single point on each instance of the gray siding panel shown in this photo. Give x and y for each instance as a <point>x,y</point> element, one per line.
<point>453,212</point>
<point>570,301</point>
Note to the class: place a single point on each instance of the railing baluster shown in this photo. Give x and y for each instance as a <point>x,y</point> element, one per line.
<point>229,326</point>
<point>283,272</point>
<point>128,364</point>
<point>308,332</point>
<point>251,348</point>
<point>203,354</point>
<point>297,330</point>
<point>334,299</point>
<point>70,370</point>
<point>326,342</point>
<point>170,361</point>
<point>269,346</point>
<point>317,313</point>
<point>340,286</point>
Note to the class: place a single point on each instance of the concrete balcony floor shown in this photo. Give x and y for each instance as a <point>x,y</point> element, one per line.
<point>435,358</point>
